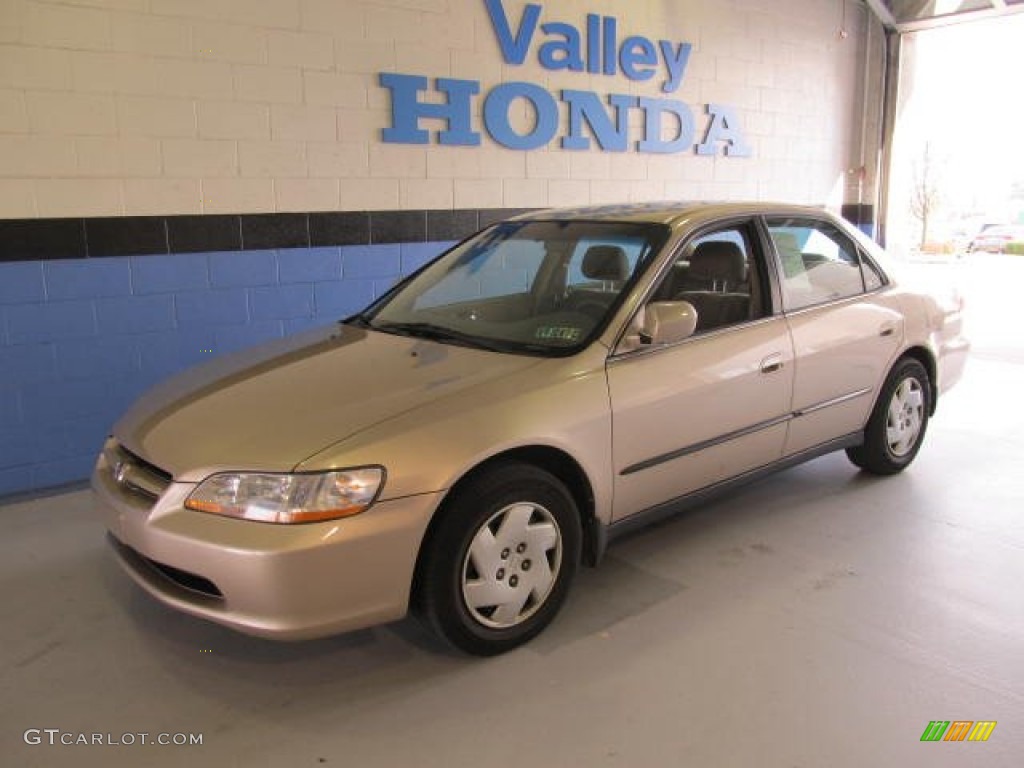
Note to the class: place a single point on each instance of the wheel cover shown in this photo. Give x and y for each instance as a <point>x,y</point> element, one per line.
<point>905,418</point>
<point>511,565</point>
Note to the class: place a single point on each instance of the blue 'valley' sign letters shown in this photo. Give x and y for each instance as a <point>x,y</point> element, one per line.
<point>594,50</point>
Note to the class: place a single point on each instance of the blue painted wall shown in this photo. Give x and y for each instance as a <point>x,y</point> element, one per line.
<point>81,338</point>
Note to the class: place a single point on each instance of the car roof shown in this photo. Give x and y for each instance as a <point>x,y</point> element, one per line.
<point>673,214</point>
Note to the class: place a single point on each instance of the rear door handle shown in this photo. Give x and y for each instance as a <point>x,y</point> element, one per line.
<point>887,330</point>
<point>772,363</point>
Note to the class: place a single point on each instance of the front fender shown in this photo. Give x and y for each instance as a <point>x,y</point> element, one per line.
<point>561,404</point>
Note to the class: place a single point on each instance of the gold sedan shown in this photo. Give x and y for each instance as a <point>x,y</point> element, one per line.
<point>462,445</point>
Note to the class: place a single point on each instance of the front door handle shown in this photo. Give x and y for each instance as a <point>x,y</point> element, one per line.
<point>772,363</point>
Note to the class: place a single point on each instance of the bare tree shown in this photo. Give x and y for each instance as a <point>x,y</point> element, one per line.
<point>924,194</point>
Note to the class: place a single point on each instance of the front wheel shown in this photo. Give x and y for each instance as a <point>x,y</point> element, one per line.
<point>897,425</point>
<point>499,565</point>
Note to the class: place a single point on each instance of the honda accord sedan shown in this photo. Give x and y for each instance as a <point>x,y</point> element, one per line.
<point>463,445</point>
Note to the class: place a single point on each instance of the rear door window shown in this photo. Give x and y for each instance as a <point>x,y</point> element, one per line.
<point>819,262</point>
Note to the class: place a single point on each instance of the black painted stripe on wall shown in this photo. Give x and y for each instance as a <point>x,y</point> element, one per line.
<point>43,239</point>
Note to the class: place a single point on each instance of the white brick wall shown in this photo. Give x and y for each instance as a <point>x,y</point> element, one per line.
<point>78,197</point>
<point>13,113</point>
<point>151,197</point>
<point>27,155</point>
<point>335,89</point>
<point>426,193</point>
<point>112,107</point>
<point>273,85</point>
<point>483,193</point>
<point>84,114</point>
<point>368,194</point>
<point>199,158</point>
<point>150,35</point>
<point>59,26</point>
<point>237,43</point>
<point>149,116</point>
<point>306,50</point>
<point>34,68</point>
<point>234,195</point>
<point>272,159</point>
<point>306,194</point>
<point>303,123</point>
<point>454,163</point>
<point>233,120</point>
<point>338,160</point>
<point>123,157</point>
<point>398,161</point>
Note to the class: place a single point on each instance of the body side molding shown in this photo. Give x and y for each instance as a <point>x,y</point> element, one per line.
<point>668,509</point>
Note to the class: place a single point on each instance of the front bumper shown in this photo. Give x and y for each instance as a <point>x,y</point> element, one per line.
<point>279,581</point>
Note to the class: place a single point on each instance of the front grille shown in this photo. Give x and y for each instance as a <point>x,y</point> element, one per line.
<point>134,474</point>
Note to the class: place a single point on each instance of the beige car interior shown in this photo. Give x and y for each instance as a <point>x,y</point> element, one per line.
<point>723,298</point>
<point>717,276</point>
<point>606,265</point>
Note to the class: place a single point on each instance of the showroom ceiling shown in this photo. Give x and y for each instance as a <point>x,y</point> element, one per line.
<point>912,15</point>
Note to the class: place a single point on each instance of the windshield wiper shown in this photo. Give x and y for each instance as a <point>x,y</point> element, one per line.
<point>360,320</point>
<point>440,333</point>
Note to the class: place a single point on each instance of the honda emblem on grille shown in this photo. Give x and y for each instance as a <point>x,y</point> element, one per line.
<point>121,472</point>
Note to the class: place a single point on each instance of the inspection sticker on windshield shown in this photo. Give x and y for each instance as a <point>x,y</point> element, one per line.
<point>558,333</point>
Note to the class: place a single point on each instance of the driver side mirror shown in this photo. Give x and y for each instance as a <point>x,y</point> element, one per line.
<point>666,322</point>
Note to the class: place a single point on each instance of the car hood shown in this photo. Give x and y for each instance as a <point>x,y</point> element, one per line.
<point>270,407</point>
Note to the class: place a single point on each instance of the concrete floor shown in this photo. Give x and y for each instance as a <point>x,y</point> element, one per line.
<point>818,618</point>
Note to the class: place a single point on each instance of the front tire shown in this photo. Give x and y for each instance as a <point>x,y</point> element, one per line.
<point>500,563</point>
<point>898,422</point>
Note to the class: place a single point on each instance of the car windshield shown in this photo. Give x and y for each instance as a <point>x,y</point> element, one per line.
<point>533,287</point>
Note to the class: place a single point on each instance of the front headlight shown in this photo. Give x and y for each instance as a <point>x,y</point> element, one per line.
<point>305,498</point>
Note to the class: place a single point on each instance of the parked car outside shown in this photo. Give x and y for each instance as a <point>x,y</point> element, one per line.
<point>461,446</point>
<point>995,239</point>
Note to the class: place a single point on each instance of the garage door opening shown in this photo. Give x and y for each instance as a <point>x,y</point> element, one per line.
<point>957,162</point>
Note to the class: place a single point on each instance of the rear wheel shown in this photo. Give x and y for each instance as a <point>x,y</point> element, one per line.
<point>898,423</point>
<point>501,561</point>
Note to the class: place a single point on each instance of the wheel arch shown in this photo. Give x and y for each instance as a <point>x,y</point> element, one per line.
<point>925,357</point>
<point>554,460</point>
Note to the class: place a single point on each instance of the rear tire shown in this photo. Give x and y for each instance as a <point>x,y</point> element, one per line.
<point>500,563</point>
<point>898,422</point>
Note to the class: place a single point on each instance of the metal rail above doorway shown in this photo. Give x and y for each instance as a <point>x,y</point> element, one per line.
<point>914,15</point>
